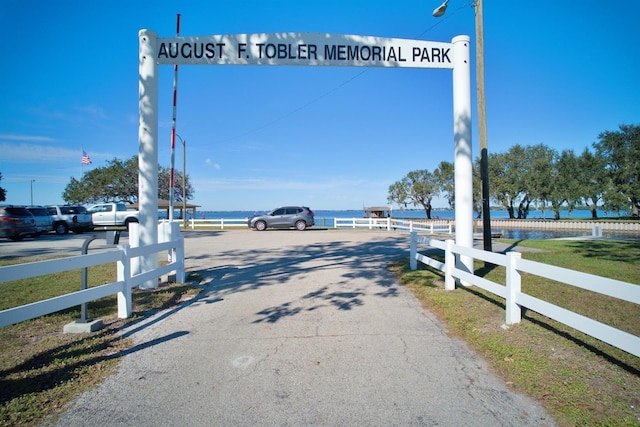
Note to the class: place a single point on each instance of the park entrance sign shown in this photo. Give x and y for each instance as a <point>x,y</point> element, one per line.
<point>310,49</point>
<point>303,49</point>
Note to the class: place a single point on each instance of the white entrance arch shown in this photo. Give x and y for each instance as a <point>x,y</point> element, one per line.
<point>308,49</point>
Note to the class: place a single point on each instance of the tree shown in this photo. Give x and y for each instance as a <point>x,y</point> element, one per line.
<point>621,152</point>
<point>416,188</point>
<point>118,182</point>
<point>592,179</point>
<point>444,178</point>
<point>3,192</point>
<point>506,174</point>
<point>540,176</point>
<point>564,186</point>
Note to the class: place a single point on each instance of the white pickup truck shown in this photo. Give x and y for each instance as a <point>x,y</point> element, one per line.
<point>112,214</point>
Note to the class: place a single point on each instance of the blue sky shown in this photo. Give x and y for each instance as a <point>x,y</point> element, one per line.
<point>556,72</point>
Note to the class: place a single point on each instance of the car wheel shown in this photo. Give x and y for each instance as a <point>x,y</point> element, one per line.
<point>301,225</point>
<point>17,238</point>
<point>61,228</point>
<point>261,225</point>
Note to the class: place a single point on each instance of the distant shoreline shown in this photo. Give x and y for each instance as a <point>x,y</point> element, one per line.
<point>581,214</point>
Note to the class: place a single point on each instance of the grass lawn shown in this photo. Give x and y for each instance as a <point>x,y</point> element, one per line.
<point>43,369</point>
<point>580,380</point>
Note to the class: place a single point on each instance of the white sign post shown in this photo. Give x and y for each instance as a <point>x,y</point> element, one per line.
<point>307,49</point>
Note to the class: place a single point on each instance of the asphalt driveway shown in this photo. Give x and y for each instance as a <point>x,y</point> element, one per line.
<point>299,328</point>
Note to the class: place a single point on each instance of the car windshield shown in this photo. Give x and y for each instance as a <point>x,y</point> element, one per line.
<point>66,210</point>
<point>19,212</point>
<point>38,211</point>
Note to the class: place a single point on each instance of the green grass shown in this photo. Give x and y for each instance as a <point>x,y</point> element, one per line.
<point>580,380</point>
<point>42,369</point>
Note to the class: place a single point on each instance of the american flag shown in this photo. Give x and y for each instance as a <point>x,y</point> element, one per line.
<point>86,160</point>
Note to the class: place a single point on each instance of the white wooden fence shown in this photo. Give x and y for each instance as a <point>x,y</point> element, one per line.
<point>127,279</point>
<point>516,299</point>
<point>220,223</point>
<point>394,224</point>
<point>368,223</point>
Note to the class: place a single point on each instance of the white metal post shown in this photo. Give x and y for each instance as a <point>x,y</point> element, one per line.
<point>413,250</point>
<point>148,149</point>
<point>449,263</point>
<point>462,148</point>
<point>514,287</point>
<point>179,258</point>
<point>125,298</point>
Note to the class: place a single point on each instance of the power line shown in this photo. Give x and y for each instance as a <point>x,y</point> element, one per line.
<point>335,89</point>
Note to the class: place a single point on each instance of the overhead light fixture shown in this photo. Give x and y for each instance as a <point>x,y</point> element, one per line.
<point>440,10</point>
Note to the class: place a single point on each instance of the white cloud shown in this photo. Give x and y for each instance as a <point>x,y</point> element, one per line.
<point>211,163</point>
<point>35,153</point>
<point>93,111</point>
<point>33,138</point>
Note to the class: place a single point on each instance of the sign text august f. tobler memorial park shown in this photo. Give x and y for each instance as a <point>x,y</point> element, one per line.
<point>304,49</point>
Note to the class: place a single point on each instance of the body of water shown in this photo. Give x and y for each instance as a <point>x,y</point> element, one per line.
<point>435,214</point>
<point>324,218</point>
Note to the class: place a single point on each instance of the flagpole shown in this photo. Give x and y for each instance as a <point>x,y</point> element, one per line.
<point>173,130</point>
<point>81,162</point>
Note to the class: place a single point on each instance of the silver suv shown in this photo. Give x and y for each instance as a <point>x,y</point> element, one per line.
<point>299,217</point>
<point>44,222</point>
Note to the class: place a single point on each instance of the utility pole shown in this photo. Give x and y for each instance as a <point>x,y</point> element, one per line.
<point>482,129</point>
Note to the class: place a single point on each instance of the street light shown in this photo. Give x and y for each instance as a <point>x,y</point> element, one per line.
<point>184,182</point>
<point>440,10</point>
<point>32,181</point>
<point>482,120</point>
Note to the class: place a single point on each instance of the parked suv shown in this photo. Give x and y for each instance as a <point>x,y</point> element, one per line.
<point>16,222</point>
<point>44,223</point>
<point>74,218</point>
<point>299,217</point>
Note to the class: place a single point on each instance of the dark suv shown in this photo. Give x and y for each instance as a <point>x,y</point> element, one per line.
<point>16,222</point>
<point>299,217</point>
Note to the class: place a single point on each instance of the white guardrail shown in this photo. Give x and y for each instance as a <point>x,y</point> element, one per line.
<point>127,278</point>
<point>220,223</point>
<point>368,223</point>
<point>516,299</point>
<point>394,224</point>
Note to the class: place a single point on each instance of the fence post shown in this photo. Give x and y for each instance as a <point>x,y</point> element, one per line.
<point>125,299</point>
<point>174,236</point>
<point>134,242</point>
<point>449,264</point>
<point>413,263</point>
<point>388,224</point>
<point>514,287</point>
<point>179,253</point>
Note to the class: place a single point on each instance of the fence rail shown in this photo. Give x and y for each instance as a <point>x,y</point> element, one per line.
<point>367,223</point>
<point>394,224</point>
<point>220,223</point>
<point>516,299</point>
<point>127,278</point>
